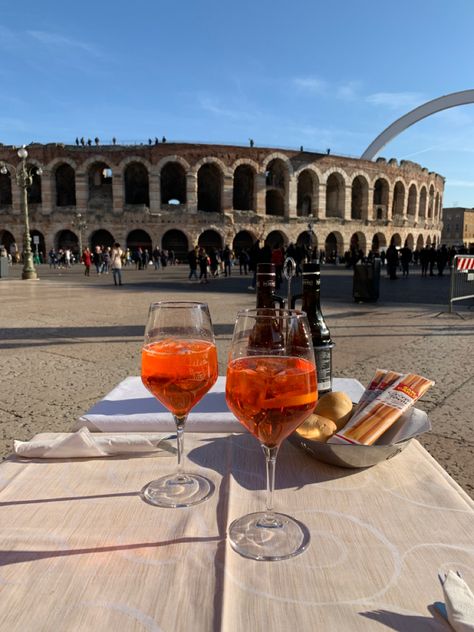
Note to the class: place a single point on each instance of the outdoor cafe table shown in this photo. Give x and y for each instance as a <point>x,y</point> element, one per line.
<point>80,550</point>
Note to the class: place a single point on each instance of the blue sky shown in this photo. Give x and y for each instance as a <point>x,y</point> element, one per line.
<point>311,73</point>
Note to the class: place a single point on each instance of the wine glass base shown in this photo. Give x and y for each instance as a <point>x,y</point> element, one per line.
<point>268,536</point>
<point>178,490</point>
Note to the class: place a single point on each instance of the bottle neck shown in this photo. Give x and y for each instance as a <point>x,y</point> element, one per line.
<point>266,286</point>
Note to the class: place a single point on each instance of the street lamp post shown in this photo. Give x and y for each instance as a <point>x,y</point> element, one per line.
<point>81,224</point>
<point>24,180</point>
<point>310,235</point>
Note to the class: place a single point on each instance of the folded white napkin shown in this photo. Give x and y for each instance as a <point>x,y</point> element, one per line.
<point>459,603</point>
<point>131,407</point>
<point>83,444</point>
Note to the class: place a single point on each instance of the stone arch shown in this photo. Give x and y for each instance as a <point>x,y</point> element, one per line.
<point>396,240</point>
<point>39,248</point>
<point>398,202</point>
<point>428,242</point>
<point>335,195</point>
<point>177,241</point>
<point>173,182</point>
<point>360,197</point>
<point>379,242</point>
<point>99,178</point>
<point>333,246</point>
<point>5,189</point>
<point>358,242</point>
<point>175,158</point>
<point>122,165</point>
<point>210,185</point>
<point>101,237</point>
<point>412,197</point>
<point>210,239</point>
<point>427,109</point>
<point>66,239</point>
<point>276,239</point>
<point>65,183</point>
<point>243,194</point>
<point>409,241</point>
<point>307,239</point>
<point>437,206</point>
<point>244,239</point>
<point>381,197</point>
<point>306,193</point>
<point>430,202</point>
<point>278,156</point>
<point>422,204</point>
<point>86,165</point>
<point>7,239</point>
<point>277,183</point>
<point>419,242</point>
<point>139,238</point>
<point>136,183</point>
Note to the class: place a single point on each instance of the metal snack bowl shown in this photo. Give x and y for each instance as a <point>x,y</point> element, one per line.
<point>391,443</point>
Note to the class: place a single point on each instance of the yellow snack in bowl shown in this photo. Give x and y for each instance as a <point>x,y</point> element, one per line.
<point>317,428</point>
<point>336,406</point>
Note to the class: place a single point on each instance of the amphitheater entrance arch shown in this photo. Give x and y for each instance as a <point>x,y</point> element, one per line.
<point>419,242</point>
<point>100,184</point>
<point>333,246</point>
<point>6,239</point>
<point>210,239</point>
<point>5,190</point>
<point>67,240</point>
<point>136,184</point>
<point>276,239</point>
<point>40,247</point>
<point>358,242</point>
<point>307,239</point>
<point>65,179</point>
<point>409,241</point>
<point>243,198</point>
<point>210,188</point>
<point>379,242</point>
<point>177,241</point>
<point>428,242</point>
<point>274,203</point>
<point>396,240</point>
<point>243,240</point>
<point>139,239</point>
<point>101,238</point>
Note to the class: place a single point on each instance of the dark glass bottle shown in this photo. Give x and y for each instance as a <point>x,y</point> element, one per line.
<point>321,336</point>
<point>266,286</point>
<point>266,333</point>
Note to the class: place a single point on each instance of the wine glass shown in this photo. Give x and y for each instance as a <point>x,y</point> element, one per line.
<point>179,366</point>
<point>271,388</point>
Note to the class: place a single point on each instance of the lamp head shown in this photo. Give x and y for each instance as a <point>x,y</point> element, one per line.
<point>39,171</point>
<point>3,170</point>
<point>22,153</point>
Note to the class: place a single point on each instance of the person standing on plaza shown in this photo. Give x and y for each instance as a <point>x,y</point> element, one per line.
<point>227,255</point>
<point>244,261</point>
<point>203,261</point>
<point>442,259</point>
<point>87,260</point>
<point>193,264</point>
<point>432,259</point>
<point>424,259</point>
<point>405,259</point>
<point>254,260</point>
<point>116,263</point>
<point>97,259</point>
<point>392,261</point>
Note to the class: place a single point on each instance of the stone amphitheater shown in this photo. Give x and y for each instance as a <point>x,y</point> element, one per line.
<point>176,195</point>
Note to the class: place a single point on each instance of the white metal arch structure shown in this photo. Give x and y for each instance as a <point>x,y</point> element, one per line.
<point>427,109</point>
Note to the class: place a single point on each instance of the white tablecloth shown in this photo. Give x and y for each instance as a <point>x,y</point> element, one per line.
<point>131,407</point>
<point>80,550</point>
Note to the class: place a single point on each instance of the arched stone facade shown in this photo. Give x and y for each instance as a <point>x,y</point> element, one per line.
<point>234,192</point>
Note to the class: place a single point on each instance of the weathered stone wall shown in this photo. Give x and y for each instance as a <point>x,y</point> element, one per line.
<point>290,190</point>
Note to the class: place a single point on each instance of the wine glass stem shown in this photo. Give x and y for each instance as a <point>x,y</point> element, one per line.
<point>180,423</point>
<point>270,461</point>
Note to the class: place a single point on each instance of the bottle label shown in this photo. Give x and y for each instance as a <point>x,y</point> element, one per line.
<point>323,356</point>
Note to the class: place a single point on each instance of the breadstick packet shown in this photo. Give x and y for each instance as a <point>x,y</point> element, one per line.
<point>378,415</point>
<point>380,382</point>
